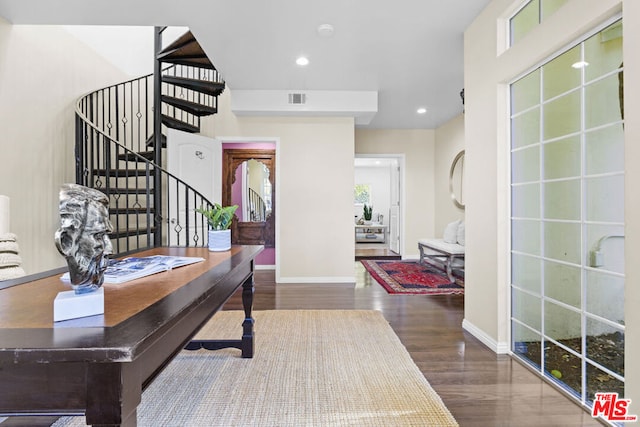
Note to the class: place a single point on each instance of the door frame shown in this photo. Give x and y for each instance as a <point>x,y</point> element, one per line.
<point>400,157</point>
<point>271,140</point>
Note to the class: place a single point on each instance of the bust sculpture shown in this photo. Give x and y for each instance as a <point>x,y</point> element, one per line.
<point>83,235</point>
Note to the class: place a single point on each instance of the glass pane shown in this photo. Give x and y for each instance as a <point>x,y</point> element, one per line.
<point>564,366</point>
<point>605,246</point>
<point>562,283</point>
<point>605,296</point>
<point>525,93</point>
<point>603,52</point>
<point>525,129</point>
<point>562,199</point>
<point>559,76</point>
<point>549,7</point>
<point>526,309</point>
<point>599,381</point>
<point>525,272</point>
<point>526,344</point>
<point>605,198</point>
<point>563,325</point>
<point>602,102</point>
<point>562,241</point>
<point>524,21</point>
<point>605,345</point>
<point>525,236</point>
<point>562,158</point>
<point>525,201</point>
<point>525,165</point>
<point>562,116</point>
<point>605,150</point>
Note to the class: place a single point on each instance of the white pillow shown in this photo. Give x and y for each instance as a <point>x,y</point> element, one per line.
<point>460,234</point>
<point>451,232</point>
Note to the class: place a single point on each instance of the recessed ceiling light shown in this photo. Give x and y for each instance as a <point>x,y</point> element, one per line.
<point>325,30</point>
<point>580,64</point>
<point>302,61</point>
<point>421,110</point>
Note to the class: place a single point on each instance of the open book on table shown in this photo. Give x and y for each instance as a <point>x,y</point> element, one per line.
<point>126,269</point>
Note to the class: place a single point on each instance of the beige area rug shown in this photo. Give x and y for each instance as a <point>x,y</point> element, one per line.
<point>311,368</point>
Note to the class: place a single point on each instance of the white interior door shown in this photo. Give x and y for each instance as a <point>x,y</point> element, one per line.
<point>394,210</point>
<point>196,160</point>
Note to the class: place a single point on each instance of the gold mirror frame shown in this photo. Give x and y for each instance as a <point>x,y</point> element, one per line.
<point>458,163</point>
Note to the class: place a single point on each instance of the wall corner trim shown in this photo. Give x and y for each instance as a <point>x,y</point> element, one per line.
<point>495,346</point>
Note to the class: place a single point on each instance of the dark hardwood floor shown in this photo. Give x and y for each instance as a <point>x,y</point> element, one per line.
<point>479,387</point>
<point>375,251</point>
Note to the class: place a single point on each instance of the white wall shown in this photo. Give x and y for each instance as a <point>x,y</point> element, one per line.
<point>487,74</point>
<point>449,142</point>
<point>314,197</point>
<point>43,71</point>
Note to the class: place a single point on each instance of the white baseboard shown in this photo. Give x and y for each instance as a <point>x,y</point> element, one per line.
<point>265,267</point>
<point>411,257</point>
<point>495,346</point>
<point>346,279</point>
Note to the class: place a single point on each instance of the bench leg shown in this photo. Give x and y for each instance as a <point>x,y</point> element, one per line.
<point>449,269</point>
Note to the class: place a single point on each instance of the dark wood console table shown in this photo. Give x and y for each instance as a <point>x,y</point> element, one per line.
<point>98,366</point>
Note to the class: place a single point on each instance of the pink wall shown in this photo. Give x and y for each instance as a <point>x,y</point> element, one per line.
<point>268,255</point>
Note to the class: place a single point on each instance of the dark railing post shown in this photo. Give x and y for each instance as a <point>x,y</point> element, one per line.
<point>79,149</point>
<point>113,131</point>
<point>157,136</point>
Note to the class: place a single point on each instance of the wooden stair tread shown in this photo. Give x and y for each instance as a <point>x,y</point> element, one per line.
<point>131,211</point>
<point>186,51</point>
<point>131,232</point>
<point>128,191</point>
<point>133,157</point>
<point>190,107</point>
<point>202,86</point>
<point>123,173</point>
<point>179,124</point>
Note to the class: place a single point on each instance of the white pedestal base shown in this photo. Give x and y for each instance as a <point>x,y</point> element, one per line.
<point>68,305</point>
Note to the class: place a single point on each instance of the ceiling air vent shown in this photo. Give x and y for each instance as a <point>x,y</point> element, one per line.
<point>297,98</point>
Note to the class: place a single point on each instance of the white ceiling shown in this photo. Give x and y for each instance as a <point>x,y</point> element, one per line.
<point>409,51</point>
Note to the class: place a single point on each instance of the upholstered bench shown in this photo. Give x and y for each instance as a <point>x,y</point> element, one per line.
<point>446,253</point>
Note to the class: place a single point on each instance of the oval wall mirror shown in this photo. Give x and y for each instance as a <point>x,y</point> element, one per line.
<point>456,180</point>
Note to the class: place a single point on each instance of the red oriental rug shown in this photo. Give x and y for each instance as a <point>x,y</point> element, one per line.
<point>412,278</point>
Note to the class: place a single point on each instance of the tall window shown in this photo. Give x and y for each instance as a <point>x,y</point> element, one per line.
<point>530,15</point>
<point>362,194</point>
<point>567,217</point>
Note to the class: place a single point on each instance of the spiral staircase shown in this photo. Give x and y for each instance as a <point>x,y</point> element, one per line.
<point>120,136</point>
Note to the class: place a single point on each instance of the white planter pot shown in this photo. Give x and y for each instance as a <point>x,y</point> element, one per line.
<point>219,240</point>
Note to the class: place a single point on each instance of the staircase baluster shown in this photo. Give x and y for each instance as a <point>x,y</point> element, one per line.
<point>113,125</point>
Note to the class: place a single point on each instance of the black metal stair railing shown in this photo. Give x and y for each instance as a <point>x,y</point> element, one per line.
<point>257,207</point>
<point>114,153</point>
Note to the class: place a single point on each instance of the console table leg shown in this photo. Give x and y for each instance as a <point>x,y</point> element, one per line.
<point>247,325</point>
<point>246,344</point>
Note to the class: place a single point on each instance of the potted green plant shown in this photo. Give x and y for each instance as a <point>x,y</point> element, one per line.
<point>368,211</point>
<point>219,219</point>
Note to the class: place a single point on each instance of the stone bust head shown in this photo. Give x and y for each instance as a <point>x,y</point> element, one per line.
<point>83,235</point>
